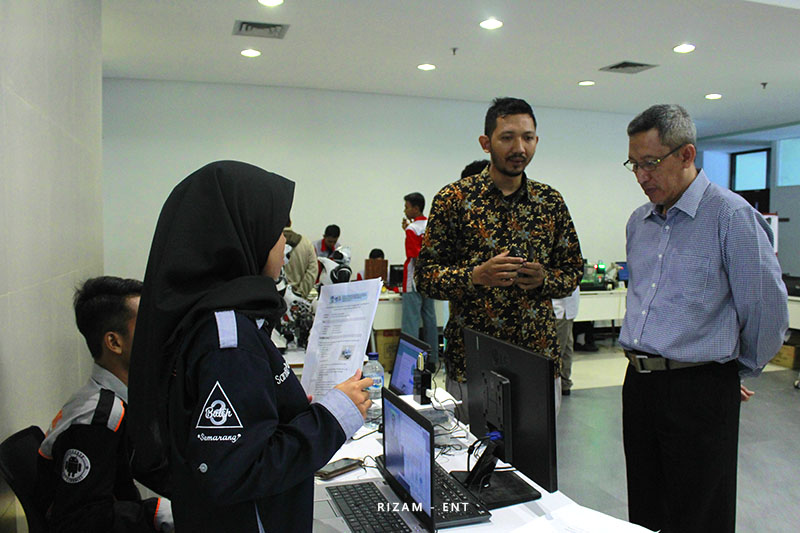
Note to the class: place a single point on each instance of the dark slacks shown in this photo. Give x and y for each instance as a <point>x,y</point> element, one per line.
<point>681,435</point>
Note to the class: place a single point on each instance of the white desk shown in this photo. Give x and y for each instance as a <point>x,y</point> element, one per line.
<point>610,305</point>
<point>503,519</point>
<point>602,305</point>
<point>794,312</point>
<point>389,314</point>
<point>295,357</point>
<point>594,305</point>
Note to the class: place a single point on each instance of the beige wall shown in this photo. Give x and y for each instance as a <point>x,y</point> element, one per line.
<point>50,202</point>
<point>353,157</point>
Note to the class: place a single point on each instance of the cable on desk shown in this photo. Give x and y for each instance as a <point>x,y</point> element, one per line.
<point>447,430</point>
<point>433,398</point>
<point>475,446</point>
<point>365,434</point>
<point>456,406</point>
<point>448,450</point>
<point>365,465</point>
<point>444,409</point>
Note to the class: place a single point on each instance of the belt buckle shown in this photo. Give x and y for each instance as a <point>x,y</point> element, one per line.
<point>637,363</point>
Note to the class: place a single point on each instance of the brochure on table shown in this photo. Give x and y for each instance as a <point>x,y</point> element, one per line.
<point>338,339</point>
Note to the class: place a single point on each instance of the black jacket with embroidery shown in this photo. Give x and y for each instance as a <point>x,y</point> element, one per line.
<point>84,478</point>
<point>245,442</point>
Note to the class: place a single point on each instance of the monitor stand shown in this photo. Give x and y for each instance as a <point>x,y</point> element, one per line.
<point>495,488</point>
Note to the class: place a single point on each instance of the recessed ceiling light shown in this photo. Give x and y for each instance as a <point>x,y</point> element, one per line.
<point>586,83</point>
<point>426,66</point>
<point>251,53</point>
<point>713,96</point>
<point>270,3</point>
<point>684,48</point>
<point>491,24</point>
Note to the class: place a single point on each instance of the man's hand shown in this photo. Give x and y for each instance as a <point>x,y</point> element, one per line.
<point>499,271</point>
<point>530,276</point>
<point>354,388</point>
<point>405,223</point>
<point>745,392</point>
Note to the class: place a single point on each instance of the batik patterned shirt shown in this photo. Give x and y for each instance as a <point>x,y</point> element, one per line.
<point>471,222</point>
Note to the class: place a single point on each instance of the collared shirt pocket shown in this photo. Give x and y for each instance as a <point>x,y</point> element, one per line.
<point>692,275</point>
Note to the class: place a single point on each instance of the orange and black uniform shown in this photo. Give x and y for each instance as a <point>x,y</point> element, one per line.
<point>84,478</point>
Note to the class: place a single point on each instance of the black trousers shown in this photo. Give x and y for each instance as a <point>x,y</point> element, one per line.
<point>681,435</point>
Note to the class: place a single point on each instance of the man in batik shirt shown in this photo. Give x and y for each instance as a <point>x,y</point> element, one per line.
<point>499,246</point>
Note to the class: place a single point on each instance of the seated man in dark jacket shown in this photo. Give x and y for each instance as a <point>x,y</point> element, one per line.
<point>84,477</point>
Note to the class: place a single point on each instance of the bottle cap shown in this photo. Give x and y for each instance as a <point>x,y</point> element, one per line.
<point>373,356</point>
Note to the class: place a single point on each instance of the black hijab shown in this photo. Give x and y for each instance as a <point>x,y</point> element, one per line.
<point>210,245</point>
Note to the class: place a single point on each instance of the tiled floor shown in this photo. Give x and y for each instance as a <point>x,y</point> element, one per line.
<point>592,466</point>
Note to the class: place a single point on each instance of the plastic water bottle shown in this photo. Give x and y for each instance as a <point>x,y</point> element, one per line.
<point>373,369</point>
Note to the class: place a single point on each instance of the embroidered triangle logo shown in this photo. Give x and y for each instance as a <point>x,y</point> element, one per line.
<point>217,412</point>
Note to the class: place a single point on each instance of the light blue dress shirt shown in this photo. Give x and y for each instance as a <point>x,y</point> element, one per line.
<point>705,284</point>
<point>344,410</point>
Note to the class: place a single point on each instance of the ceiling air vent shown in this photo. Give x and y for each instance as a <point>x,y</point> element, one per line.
<point>627,67</point>
<point>260,29</point>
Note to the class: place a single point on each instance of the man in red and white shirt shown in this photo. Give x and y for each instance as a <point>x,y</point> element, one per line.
<point>417,307</point>
<point>327,244</point>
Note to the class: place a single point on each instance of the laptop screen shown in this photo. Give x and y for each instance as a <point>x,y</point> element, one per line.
<point>407,452</point>
<point>405,361</point>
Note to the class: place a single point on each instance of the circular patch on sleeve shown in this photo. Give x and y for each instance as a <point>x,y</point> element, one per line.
<point>76,466</point>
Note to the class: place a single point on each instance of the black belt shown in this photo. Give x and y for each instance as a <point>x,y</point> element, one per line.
<point>647,362</point>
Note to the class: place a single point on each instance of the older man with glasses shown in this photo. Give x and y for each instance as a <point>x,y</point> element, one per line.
<point>706,306</point>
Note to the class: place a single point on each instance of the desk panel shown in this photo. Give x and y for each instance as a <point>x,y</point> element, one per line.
<point>504,519</point>
<point>389,314</point>
<point>794,312</point>
<point>602,305</point>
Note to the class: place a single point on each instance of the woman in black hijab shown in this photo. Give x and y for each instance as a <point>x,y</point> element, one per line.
<point>209,393</point>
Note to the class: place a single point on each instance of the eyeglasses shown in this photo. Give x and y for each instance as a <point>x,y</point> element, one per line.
<point>651,164</point>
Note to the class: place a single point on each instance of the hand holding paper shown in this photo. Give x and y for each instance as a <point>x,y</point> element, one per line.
<point>339,335</point>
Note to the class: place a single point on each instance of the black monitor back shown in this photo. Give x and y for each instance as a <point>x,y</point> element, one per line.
<point>792,284</point>
<point>395,276</point>
<point>533,409</point>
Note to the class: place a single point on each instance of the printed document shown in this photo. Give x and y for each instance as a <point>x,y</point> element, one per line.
<point>339,335</point>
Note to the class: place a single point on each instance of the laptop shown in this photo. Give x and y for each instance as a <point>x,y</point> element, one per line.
<point>418,493</point>
<point>405,361</point>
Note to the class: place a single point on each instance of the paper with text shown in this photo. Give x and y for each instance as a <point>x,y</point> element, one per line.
<point>339,335</point>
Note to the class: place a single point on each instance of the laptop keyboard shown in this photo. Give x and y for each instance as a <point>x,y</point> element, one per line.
<point>365,509</point>
<point>452,500</point>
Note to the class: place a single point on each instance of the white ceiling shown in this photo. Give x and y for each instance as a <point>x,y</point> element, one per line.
<point>544,48</point>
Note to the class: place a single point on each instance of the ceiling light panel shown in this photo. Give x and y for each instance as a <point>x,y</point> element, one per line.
<point>491,24</point>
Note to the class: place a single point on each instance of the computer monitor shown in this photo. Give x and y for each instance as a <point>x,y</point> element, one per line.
<point>622,272</point>
<point>405,361</point>
<point>511,391</point>
<point>395,276</point>
<point>792,284</point>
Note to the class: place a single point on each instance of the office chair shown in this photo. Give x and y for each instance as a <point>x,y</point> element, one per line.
<point>18,458</point>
